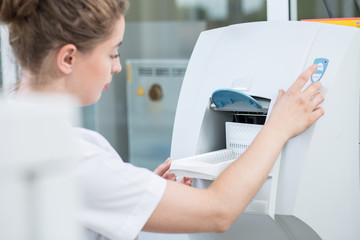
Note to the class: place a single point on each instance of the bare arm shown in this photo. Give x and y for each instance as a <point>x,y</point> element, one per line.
<point>185,209</point>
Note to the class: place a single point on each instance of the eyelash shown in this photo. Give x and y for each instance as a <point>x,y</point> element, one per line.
<point>115,56</point>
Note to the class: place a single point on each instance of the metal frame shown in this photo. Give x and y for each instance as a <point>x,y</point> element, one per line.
<point>281,10</point>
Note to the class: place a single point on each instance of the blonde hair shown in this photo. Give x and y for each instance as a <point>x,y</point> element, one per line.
<point>36,27</point>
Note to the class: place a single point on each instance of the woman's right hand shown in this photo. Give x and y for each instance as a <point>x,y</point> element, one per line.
<point>296,110</point>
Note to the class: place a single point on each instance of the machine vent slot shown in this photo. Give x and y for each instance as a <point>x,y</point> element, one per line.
<point>162,72</point>
<point>145,71</point>
<point>178,72</point>
<point>153,71</point>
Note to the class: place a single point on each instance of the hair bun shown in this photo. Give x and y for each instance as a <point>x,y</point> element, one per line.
<point>13,10</point>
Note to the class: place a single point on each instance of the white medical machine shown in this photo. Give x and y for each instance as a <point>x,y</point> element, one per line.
<point>230,86</point>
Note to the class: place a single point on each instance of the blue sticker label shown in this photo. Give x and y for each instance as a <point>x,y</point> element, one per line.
<point>322,65</point>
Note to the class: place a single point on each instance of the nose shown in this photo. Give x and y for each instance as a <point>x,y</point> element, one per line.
<point>116,68</point>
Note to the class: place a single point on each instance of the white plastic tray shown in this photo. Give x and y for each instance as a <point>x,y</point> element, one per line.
<point>209,165</point>
<point>204,166</point>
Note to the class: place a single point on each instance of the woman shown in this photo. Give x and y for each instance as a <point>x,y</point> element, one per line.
<point>70,47</point>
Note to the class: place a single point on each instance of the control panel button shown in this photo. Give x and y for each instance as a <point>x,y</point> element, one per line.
<point>320,67</point>
<point>319,73</point>
<point>316,77</point>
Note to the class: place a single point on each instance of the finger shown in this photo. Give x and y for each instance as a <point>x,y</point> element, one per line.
<point>189,181</point>
<point>312,90</point>
<point>280,94</point>
<point>181,180</point>
<point>317,113</point>
<point>185,180</point>
<point>169,176</point>
<point>162,168</point>
<point>303,78</point>
<point>317,99</point>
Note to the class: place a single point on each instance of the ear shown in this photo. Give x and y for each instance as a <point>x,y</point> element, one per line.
<point>65,58</point>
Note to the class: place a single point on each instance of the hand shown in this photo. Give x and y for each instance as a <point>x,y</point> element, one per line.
<point>296,110</point>
<point>163,171</point>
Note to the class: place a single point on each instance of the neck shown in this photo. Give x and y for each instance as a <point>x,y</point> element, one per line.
<point>30,84</point>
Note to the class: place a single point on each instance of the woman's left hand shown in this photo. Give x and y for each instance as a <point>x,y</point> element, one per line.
<point>163,171</point>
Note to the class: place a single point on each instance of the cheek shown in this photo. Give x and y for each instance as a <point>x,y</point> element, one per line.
<point>104,68</point>
<point>99,72</point>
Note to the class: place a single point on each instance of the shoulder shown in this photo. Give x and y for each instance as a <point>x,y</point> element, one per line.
<point>87,135</point>
<point>92,146</point>
<point>89,138</point>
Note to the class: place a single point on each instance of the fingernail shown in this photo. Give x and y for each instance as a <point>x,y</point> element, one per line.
<point>314,66</point>
<point>168,161</point>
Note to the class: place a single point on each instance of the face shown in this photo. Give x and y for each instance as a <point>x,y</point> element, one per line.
<point>92,72</point>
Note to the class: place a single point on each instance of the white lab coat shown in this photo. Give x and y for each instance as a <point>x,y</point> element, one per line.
<point>119,197</point>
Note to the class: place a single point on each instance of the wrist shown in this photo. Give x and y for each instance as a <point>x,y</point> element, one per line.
<point>276,131</point>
